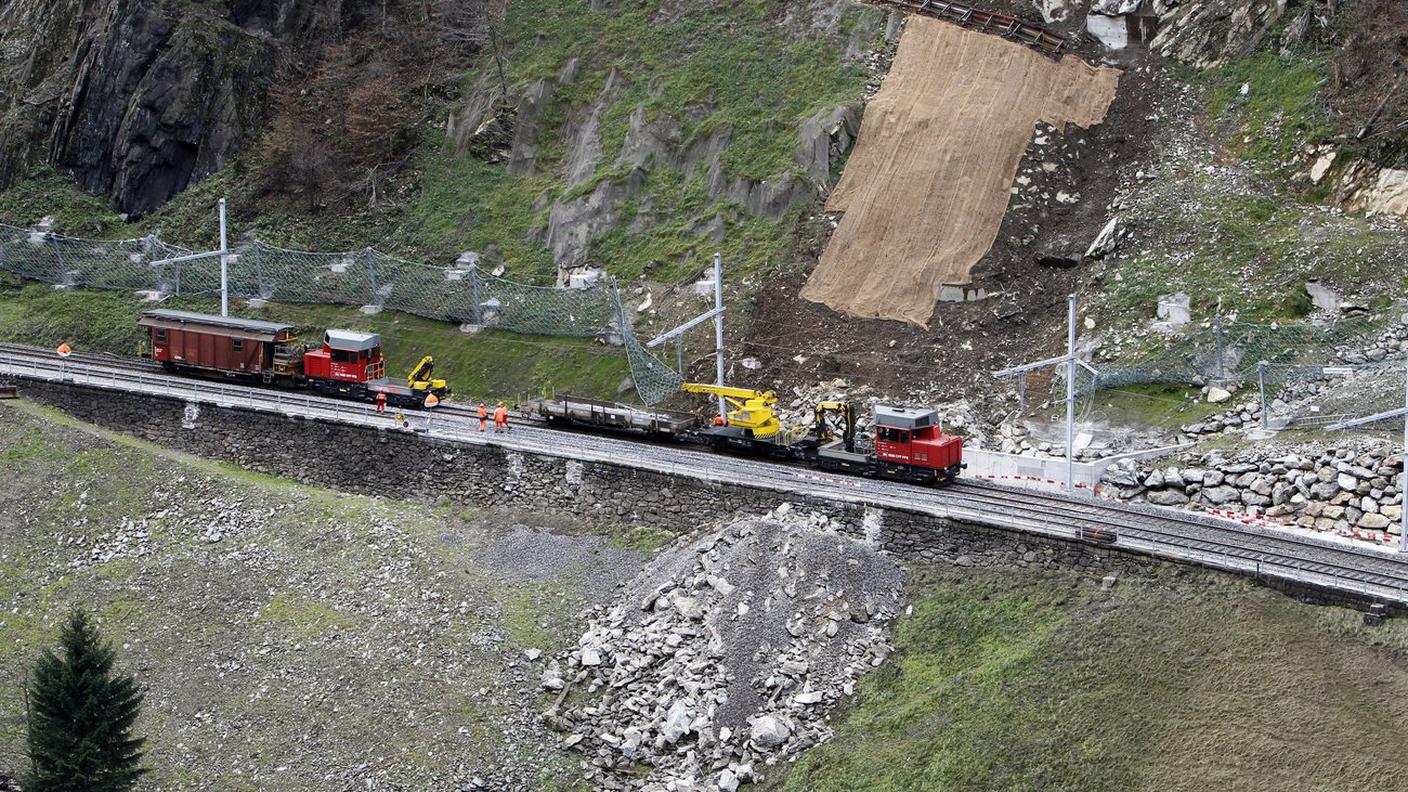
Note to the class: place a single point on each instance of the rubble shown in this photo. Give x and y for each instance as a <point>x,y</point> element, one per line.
<point>725,654</point>
<point>1355,487</point>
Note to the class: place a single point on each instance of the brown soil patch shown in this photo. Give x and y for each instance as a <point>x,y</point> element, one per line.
<point>927,187</point>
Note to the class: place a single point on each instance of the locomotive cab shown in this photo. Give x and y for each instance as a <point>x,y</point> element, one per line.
<point>910,443</point>
<point>346,356</point>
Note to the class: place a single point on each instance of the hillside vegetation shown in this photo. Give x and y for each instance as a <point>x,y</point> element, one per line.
<point>1022,680</point>
<point>286,636</point>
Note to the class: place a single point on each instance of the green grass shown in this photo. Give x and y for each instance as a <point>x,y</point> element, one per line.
<point>301,620</point>
<point>1281,111</point>
<point>1040,681</point>
<point>490,364</point>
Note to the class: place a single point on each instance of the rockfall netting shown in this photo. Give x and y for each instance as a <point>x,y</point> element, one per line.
<point>365,277</point>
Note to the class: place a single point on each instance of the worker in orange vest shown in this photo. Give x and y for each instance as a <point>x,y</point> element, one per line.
<point>483,416</point>
<point>381,403</point>
<point>500,418</point>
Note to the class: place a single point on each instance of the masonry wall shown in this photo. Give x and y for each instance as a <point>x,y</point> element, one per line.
<point>407,465</point>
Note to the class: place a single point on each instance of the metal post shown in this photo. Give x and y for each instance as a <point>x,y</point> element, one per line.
<point>259,268</point>
<point>1217,346</point>
<point>1261,384</point>
<point>224,264</point>
<point>59,254</point>
<point>1022,392</point>
<point>371,276</point>
<point>679,357</point>
<point>474,292</point>
<point>1071,394</point>
<point>719,328</point>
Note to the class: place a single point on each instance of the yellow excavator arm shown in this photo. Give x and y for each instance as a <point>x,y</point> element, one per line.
<point>420,379</point>
<point>752,409</point>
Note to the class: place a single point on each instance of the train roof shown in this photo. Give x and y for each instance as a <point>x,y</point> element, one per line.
<point>905,417</point>
<point>350,341</point>
<point>163,316</point>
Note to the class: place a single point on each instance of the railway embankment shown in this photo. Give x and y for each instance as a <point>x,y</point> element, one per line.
<point>407,464</point>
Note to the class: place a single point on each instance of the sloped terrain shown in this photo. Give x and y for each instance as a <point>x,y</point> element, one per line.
<point>289,637</point>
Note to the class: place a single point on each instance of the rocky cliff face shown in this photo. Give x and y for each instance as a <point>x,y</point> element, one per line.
<point>141,99</point>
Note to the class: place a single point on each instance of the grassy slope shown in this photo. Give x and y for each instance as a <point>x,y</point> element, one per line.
<point>1040,681</point>
<point>487,365</point>
<point>1253,246</point>
<point>343,631</point>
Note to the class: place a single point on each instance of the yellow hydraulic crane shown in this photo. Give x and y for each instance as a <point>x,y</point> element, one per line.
<point>420,377</point>
<point>752,410</point>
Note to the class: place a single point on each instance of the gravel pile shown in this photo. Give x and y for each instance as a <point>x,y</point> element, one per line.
<point>724,655</point>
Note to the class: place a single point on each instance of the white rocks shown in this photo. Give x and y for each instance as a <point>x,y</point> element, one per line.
<point>727,649</point>
<point>677,722</point>
<point>768,731</point>
<point>1218,395</point>
<point>532,654</point>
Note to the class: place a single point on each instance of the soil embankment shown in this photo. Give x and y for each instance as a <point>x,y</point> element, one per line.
<point>925,190</point>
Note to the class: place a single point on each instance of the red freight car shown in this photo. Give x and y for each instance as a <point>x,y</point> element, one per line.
<point>347,364</point>
<point>185,340</point>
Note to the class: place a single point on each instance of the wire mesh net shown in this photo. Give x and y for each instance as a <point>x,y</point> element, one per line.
<point>364,277</point>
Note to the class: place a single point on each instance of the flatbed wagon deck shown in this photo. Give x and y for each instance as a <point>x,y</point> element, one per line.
<point>612,415</point>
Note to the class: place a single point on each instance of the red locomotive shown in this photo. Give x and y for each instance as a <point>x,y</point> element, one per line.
<point>347,364</point>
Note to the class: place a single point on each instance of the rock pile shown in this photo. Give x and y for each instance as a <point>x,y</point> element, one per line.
<point>1343,489</point>
<point>724,655</point>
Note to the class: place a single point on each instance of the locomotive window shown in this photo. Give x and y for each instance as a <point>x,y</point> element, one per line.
<point>343,356</point>
<point>890,434</point>
<point>237,345</point>
<point>161,336</point>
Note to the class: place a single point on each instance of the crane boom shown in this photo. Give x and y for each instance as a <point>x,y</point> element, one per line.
<point>730,392</point>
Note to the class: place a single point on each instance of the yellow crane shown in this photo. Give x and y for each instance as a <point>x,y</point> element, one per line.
<point>752,410</point>
<point>420,378</point>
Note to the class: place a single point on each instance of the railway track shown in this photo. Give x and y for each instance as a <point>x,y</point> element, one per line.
<point>984,21</point>
<point>1367,573</point>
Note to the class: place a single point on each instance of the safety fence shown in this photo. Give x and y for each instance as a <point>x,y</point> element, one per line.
<point>256,270</point>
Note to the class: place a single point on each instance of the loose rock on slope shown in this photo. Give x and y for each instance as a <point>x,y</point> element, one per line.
<point>724,654</point>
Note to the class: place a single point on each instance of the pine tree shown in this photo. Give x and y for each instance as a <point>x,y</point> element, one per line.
<point>81,716</point>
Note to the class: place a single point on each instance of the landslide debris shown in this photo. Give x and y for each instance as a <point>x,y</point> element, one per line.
<point>724,655</point>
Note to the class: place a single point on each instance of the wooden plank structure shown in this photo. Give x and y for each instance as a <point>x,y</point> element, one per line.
<point>1004,25</point>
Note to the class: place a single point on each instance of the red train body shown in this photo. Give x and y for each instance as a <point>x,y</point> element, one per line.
<point>347,364</point>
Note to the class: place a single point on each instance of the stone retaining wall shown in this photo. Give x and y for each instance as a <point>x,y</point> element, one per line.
<point>407,465</point>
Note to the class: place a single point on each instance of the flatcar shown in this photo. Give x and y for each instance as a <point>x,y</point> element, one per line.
<point>347,364</point>
<point>908,443</point>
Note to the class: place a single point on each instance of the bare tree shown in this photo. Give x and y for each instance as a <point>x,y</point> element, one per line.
<point>471,27</point>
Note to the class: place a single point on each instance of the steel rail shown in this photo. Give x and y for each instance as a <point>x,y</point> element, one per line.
<point>1198,539</point>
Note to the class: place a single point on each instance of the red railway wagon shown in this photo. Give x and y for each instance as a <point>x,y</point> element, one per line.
<point>185,340</point>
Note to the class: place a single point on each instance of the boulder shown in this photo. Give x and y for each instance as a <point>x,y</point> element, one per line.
<point>768,731</point>
<point>1220,495</point>
<point>1173,478</point>
<point>1324,490</point>
<point>1167,497</point>
<point>1373,522</point>
<point>1218,395</point>
<point>1212,478</point>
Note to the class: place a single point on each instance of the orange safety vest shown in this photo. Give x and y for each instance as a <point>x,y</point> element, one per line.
<point>483,412</point>
<point>381,397</point>
<point>501,415</point>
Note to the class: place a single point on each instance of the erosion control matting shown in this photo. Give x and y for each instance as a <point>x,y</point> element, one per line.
<point>925,190</point>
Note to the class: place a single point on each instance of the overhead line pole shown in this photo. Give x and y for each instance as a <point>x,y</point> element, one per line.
<point>719,328</point>
<point>1071,361</point>
<point>1070,392</point>
<point>224,264</point>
